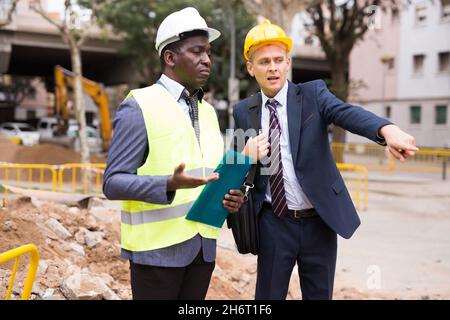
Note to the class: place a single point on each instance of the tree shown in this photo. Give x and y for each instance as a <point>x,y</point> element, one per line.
<point>74,29</point>
<point>6,11</point>
<point>339,26</point>
<point>16,89</point>
<point>280,12</point>
<point>233,21</point>
<point>135,21</point>
<point>138,20</point>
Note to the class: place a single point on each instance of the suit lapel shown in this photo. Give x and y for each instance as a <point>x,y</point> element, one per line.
<point>254,112</point>
<point>294,115</point>
<point>254,122</point>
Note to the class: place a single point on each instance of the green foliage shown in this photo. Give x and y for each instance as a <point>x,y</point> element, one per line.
<point>16,89</point>
<point>137,21</point>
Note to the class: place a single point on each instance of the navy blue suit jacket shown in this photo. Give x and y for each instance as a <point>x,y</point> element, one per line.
<point>311,107</point>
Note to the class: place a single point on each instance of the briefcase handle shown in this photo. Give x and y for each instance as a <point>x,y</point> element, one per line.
<point>247,188</point>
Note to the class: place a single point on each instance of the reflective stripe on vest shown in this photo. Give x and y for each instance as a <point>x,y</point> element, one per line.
<point>135,218</point>
<point>171,139</point>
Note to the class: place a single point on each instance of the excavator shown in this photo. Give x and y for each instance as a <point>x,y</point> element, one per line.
<point>64,79</point>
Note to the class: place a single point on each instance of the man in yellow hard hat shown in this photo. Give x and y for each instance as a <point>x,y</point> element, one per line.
<point>301,198</point>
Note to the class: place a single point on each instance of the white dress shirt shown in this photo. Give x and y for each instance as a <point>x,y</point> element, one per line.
<point>176,89</point>
<point>295,197</point>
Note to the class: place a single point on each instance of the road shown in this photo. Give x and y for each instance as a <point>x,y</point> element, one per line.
<point>400,251</point>
<point>402,246</point>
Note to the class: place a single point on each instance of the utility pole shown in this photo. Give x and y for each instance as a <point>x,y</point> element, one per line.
<point>444,167</point>
<point>233,83</point>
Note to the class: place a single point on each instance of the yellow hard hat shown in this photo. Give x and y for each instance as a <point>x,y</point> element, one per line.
<point>265,32</point>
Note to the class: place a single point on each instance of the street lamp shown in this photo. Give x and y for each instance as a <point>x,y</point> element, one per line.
<point>7,8</point>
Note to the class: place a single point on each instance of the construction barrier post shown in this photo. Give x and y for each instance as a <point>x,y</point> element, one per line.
<point>444,167</point>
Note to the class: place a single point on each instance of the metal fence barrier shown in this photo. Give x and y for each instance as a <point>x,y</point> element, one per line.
<point>32,269</point>
<point>70,177</point>
<point>88,178</point>
<point>35,176</point>
<point>85,177</point>
<point>356,181</point>
<point>374,157</point>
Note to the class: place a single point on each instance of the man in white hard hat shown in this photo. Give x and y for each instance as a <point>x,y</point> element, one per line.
<point>158,128</point>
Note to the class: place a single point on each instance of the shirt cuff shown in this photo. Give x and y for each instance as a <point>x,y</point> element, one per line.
<point>379,139</point>
<point>159,193</point>
<point>170,195</point>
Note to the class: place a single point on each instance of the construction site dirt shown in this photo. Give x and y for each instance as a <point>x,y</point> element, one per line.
<point>400,251</point>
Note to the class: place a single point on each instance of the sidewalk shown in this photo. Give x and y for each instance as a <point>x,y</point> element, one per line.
<point>401,177</point>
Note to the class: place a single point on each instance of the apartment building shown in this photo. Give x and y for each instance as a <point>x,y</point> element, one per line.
<point>404,66</point>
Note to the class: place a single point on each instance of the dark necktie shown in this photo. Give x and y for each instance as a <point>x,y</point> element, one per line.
<point>279,204</point>
<point>192,102</point>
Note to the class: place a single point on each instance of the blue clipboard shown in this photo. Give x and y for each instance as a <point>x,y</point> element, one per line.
<point>208,208</point>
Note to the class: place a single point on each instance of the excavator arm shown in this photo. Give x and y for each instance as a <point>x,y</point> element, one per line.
<point>64,79</point>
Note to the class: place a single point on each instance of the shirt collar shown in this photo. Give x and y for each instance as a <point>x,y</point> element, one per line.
<point>176,89</point>
<point>281,96</point>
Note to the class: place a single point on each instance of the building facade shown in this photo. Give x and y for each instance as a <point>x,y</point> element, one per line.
<point>403,64</point>
<point>30,47</point>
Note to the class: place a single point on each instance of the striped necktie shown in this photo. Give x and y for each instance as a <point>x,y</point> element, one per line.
<point>192,102</point>
<point>279,204</point>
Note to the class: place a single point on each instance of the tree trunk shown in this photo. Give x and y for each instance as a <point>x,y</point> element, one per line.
<point>75,54</point>
<point>233,83</point>
<point>339,87</point>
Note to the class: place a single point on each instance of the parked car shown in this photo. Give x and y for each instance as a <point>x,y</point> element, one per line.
<point>26,133</point>
<point>93,138</point>
<point>46,126</point>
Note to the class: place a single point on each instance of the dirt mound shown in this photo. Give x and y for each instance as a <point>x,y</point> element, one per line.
<point>42,154</point>
<point>24,221</point>
<point>8,150</point>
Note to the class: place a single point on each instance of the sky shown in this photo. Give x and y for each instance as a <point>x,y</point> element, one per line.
<point>55,5</point>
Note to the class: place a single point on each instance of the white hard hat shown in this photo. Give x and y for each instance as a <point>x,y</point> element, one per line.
<point>187,19</point>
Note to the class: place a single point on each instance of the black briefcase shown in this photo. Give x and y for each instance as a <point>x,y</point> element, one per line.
<point>244,223</point>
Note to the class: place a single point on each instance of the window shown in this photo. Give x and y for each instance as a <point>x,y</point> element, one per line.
<point>309,41</point>
<point>444,61</point>
<point>8,127</point>
<point>418,62</point>
<point>387,111</point>
<point>390,64</point>
<point>414,114</point>
<point>394,16</point>
<point>31,114</point>
<point>441,115</point>
<point>421,14</point>
<point>445,10</point>
<point>388,61</point>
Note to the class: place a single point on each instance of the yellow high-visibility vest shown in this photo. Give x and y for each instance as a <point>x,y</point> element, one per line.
<point>171,139</point>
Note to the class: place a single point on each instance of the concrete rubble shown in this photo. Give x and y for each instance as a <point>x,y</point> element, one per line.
<point>79,252</point>
<point>58,228</point>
